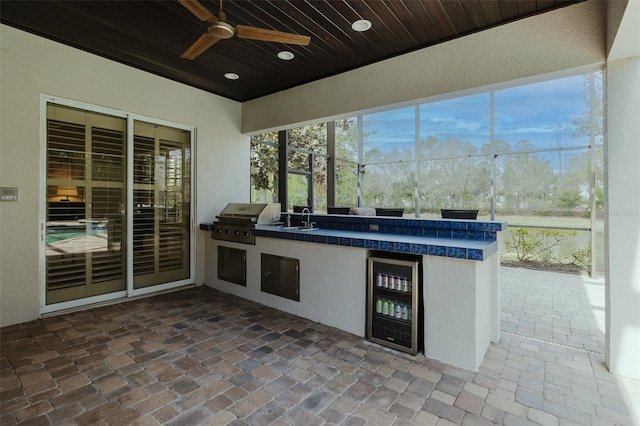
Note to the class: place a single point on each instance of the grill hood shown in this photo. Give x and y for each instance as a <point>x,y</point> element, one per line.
<point>236,221</point>
<point>257,213</point>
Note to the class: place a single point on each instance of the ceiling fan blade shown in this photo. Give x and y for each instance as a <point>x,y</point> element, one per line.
<point>262,34</point>
<point>202,44</point>
<point>199,10</point>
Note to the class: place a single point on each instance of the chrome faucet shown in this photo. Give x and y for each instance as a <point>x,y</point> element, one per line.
<point>308,213</point>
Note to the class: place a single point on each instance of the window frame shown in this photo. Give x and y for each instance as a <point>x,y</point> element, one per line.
<point>595,142</point>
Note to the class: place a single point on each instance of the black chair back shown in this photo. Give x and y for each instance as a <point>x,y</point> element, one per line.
<point>389,212</point>
<point>298,209</point>
<point>338,210</point>
<point>459,214</point>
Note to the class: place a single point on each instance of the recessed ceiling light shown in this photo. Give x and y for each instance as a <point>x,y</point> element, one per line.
<point>231,76</point>
<point>285,55</point>
<point>361,25</point>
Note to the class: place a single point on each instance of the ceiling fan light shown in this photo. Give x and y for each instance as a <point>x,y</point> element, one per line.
<point>231,76</point>
<point>361,25</point>
<point>285,55</point>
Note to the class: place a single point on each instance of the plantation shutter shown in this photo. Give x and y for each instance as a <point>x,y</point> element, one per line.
<point>85,204</point>
<point>161,201</point>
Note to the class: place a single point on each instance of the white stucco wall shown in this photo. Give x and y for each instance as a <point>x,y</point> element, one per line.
<point>460,309</point>
<point>623,217</point>
<point>327,273</point>
<point>31,65</point>
<point>622,180</point>
<point>566,38</point>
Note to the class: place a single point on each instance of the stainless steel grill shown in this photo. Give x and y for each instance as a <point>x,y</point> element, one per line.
<point>236,221</point>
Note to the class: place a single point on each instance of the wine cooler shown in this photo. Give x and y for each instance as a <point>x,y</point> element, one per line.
<point>394,303</point>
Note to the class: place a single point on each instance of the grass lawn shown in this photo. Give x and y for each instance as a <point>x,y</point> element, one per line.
<point>562,259</point>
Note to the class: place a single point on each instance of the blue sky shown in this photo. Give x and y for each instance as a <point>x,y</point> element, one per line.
<point>532,112</point>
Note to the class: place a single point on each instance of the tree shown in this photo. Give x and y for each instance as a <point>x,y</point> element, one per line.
<point>452,177</point>
<point>582,125</point>
<point>346,164</point>
<point>264,169</point>
<point>312,138</point>
<point>390,183</point>
<point>527,180</point>
<point>569,200</point>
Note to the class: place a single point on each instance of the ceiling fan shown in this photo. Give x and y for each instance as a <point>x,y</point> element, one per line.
<point>219,29</point>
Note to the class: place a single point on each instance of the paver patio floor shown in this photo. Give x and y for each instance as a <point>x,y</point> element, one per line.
<point>199,356</point>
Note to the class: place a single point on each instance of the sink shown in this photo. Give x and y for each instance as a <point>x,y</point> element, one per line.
<point>301,228</point>
<point>306,228</point>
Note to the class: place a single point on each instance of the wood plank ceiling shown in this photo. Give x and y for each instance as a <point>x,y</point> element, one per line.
<point>151,35</point>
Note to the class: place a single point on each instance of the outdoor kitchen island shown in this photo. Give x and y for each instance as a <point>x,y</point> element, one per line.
<point>460,262</point>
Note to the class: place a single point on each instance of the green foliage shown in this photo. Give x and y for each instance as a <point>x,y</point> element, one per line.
<point>570,200</point>
<point>599,198</point>
<point>540,245</point>
<point>312,138</point>
<point>264,171</point>
<point>582,257</point>
<point>448,179</point>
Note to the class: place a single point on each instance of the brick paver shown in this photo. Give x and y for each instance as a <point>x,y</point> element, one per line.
<point>199,356</point>
<point>561,308</point>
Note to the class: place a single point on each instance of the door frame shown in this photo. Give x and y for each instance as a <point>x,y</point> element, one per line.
<point>129,290</point>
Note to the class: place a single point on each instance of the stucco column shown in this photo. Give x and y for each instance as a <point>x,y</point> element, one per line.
<point>622,223</point>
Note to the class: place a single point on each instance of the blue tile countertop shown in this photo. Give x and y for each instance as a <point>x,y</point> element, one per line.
<point>460,249</point>
<point>460,239</point>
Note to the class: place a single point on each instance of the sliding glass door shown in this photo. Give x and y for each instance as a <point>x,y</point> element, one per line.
<point>161,204</point>
<point>85,204</point>
<point>117,219</point>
